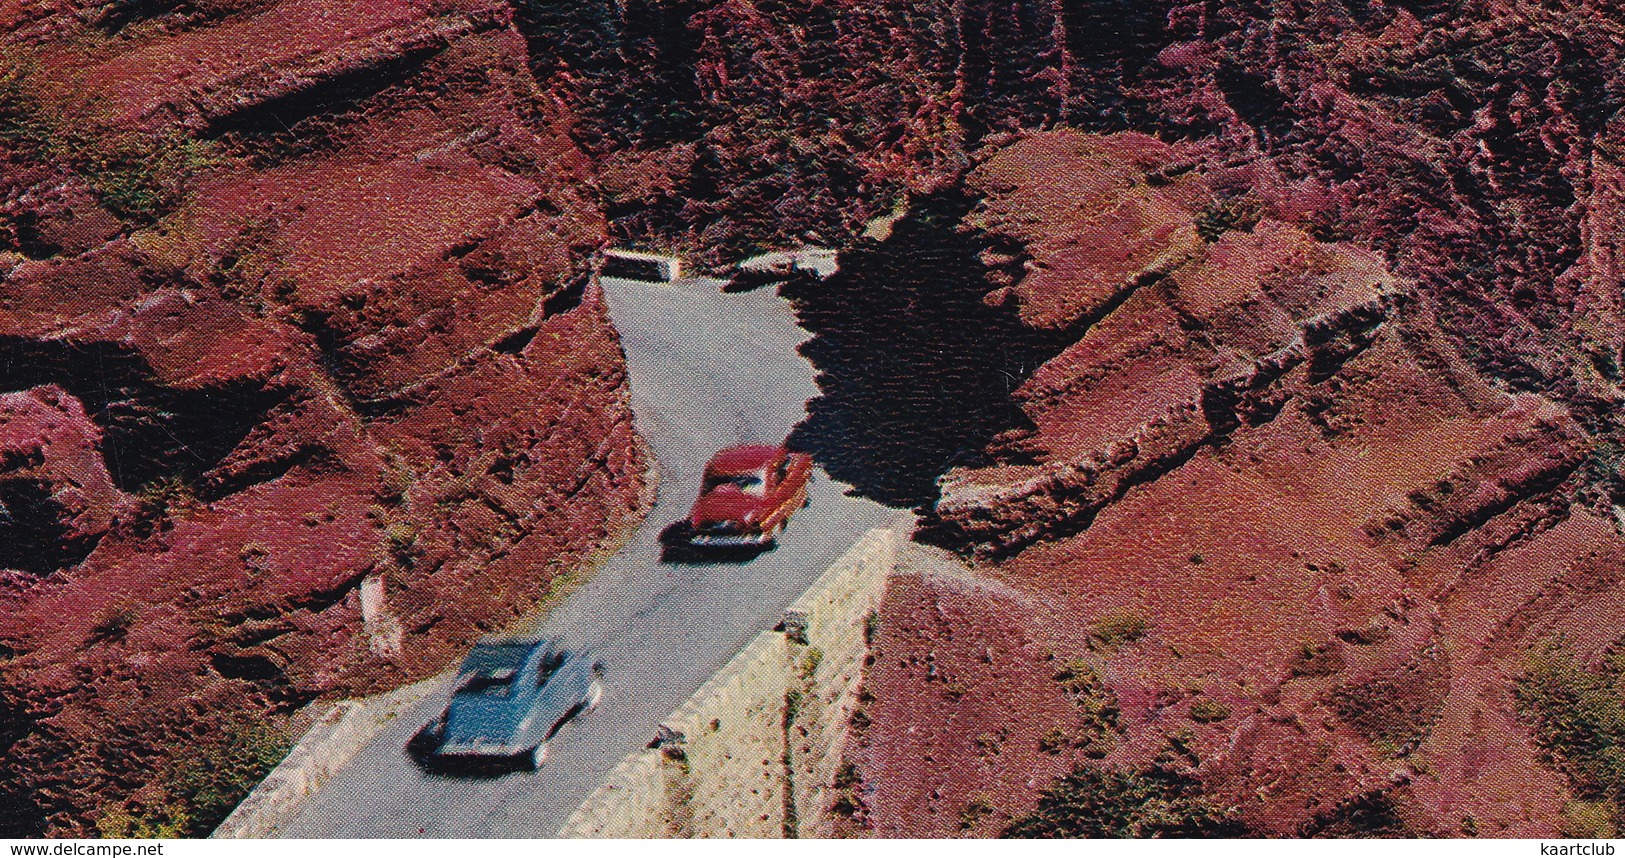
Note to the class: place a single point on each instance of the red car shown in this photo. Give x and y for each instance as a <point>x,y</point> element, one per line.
<point>748,495</point>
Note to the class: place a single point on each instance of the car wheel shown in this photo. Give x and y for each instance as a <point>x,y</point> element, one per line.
<point>537,757</point>
<point>428,737</point>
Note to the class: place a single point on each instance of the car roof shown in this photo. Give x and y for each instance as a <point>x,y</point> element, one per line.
<point>749,457</point>
<point>493,655</point>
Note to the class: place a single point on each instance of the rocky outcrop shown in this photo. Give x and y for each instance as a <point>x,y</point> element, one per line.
<point>1471,143</point>
<point>1184,341</point>
<point>309,390</point>
<point>1275,399</point>
<point>58,500</point>
<point>1253,544</point>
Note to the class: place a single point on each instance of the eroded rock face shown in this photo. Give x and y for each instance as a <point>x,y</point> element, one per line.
<point>1271,532</point>
<point>1298,434</point>
<point>278,324</point>
<point>1332,309</point>
<point>1471,143</point>
<point>57,495</point>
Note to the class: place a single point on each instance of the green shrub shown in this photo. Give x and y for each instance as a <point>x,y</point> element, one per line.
<point>199,789</point>
<point>1368,815</point>
<point>1221,216</point>
<point>1155,802</point>
<point>1589,820</point>
<point>162,502</point>
<point>1055,739</point>
<point>1579,722</point>
<point>22,122</point>
<point>1115,630</point>
<point>810,660</point>
<point>1314,660</point>
<point>1206,711</point>
<point>138,177</point>
<point>1098,712</point>
<point>401,537</point>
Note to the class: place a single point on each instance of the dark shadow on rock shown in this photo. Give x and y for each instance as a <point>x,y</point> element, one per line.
<point>21,815</point>
<point>33,536</point>
<point>152,431</point>
<point>915,365</point>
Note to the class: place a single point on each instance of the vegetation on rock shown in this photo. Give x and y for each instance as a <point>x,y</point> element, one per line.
<point>1106,802</point>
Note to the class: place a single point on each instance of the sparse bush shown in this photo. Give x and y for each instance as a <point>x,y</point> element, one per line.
<point>160,502</point>
<point>113,624</point>
<point>402,539</point>
<point>138,177</point>
<point>810,660</point>
<point>248,268</point>
<point>21,118</point>
<point>1313,660</point>
<point>1604,468</point>
<point>1397,709</point>
<point>1055,739</point>
<point>1155,802</point>
<point>1372,814</point>
<point>1223,215</point>
<point>396,480</point>
<point>1589,820</point>
<point>792,704</point>
<point>200,788</point>
<point>1115,630</point>
<point>1579,723</point>
<point>1206,711</point>
<point>1098,712</point>
<point>976,810</point>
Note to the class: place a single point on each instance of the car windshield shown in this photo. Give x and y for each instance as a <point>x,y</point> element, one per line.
<point>750,484</point>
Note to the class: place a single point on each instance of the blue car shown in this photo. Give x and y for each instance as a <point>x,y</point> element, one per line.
<point>512,697</point>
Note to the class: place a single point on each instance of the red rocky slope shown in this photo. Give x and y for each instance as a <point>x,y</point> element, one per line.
<point>1313,376</point>
<point>284,331</point>
<point>1318,363</point>
<point>1278,537</point>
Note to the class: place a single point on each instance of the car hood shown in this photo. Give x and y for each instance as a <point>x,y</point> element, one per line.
<point>726,504</point>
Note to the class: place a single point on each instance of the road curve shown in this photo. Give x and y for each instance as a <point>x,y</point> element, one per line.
<point>707,370</point>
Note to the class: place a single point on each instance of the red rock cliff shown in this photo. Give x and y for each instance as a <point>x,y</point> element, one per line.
<point>294,299</point>
<point>1270,536</point>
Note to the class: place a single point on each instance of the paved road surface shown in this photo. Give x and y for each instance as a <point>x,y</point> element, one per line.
<point>707,370</point>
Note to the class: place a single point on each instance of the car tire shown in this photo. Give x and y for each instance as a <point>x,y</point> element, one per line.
<point>536,757</point>
<point>428,737</point>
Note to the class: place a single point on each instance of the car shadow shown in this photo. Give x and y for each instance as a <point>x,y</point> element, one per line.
<point>676,548</point>
<point>468,769</point>
<point>421,752</point>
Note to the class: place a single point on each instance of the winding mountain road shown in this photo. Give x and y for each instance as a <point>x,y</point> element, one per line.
<point>707,370</point>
